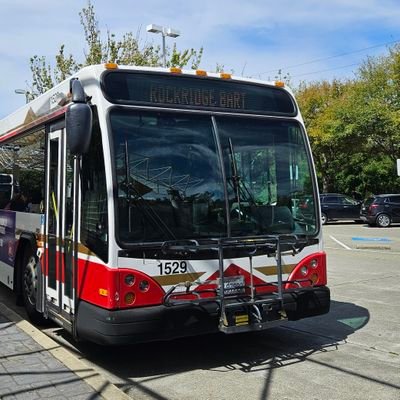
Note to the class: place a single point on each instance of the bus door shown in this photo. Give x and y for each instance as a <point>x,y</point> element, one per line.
<point>59,228</point>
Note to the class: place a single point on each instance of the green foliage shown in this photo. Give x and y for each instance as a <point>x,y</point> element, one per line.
<point>126,51</point>
<point>182,58</point>
<point>354,127</point>
<point>41,75</point>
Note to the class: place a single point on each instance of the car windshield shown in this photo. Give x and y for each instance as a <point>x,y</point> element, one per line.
<point>170,177</point>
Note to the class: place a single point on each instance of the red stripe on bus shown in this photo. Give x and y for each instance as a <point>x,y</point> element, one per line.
<point>106,287</point>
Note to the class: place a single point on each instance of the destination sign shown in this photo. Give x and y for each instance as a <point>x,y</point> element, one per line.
<point>166,94</point>
<point>180,91</point>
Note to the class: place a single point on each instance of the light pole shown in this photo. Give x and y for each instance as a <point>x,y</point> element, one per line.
<point>164,32</point>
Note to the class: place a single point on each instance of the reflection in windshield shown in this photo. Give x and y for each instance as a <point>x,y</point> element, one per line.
<point>270,177</point>
<point>170,178</point>
<point>169,184</point>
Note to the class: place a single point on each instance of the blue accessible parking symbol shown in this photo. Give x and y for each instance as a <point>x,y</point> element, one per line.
<point>372,239</point>
<point>372,243</point>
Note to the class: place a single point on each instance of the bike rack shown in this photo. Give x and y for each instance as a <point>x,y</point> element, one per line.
<point>239,312</point>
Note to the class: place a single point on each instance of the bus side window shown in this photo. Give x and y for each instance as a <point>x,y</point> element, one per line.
<point>22,176</point>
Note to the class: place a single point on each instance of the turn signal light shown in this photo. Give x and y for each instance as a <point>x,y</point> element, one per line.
<point>314,278</point>
<point>129,298</point>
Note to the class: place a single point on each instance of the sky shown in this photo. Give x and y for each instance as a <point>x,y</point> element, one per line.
<point>311,40</point>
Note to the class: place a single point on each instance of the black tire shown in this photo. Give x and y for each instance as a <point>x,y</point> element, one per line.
<point>383,220</point>
<point>29,286</point>
<point>324,219</point>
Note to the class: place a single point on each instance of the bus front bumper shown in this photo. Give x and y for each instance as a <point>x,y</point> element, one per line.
<point>146,324</point>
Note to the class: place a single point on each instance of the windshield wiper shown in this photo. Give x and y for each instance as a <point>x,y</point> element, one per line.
<point>241,190</point>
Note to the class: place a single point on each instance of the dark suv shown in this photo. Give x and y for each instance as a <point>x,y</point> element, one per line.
<point>336,206</point>
<point>381,210</point>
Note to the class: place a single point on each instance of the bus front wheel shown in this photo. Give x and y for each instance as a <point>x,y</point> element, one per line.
<point>30,285</point>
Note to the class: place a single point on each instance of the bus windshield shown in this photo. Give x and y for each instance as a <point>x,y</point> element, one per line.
<point>186,176</point>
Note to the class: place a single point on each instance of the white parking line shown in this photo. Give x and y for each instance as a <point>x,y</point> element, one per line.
<point>340,243</point>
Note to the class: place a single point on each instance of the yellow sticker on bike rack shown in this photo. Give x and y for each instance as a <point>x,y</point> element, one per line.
<point>242,319</point>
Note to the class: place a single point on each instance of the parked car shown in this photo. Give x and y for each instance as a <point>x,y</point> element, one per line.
<point>303,207</point>
<point>381,210</point>
<point>335,206</point>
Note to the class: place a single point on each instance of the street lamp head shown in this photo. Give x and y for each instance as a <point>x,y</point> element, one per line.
<point>154,28</point>
<point>164,33</point>
<point>172,33</point>
<point>20,91</point>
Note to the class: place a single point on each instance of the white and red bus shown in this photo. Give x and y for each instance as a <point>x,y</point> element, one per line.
<point>158,203</point>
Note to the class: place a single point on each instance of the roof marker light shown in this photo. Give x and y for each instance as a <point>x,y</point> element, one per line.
<point>201,72</point>
<point>175,70</point>
<point>225,75</point>
<point>279,83</point>
<point>111,65</point>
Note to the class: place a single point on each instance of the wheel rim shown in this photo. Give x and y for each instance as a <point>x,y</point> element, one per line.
<point>383,220</point>
<point>323,219</point>
<point>30,280</point>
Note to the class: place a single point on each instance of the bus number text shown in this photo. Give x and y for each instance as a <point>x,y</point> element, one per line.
<point>172,267</point>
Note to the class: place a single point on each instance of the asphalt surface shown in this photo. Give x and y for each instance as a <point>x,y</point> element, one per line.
<point>351,353</point>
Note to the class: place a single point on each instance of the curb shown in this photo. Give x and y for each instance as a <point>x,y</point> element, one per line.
<point>90,376</point>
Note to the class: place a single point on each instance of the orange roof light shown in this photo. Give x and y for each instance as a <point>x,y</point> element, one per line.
<point>111,65</point>
<point>279,83</point>
<point>175,70</point>
<point>201,72</point>
<point>225,75</point>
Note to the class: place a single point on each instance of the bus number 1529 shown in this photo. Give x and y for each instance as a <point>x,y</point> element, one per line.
<point>172,267</point>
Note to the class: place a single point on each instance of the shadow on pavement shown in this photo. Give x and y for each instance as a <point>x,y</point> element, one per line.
<point>290,343</point>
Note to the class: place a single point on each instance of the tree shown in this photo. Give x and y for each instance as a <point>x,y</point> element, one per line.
<point>127,50</point>
<point>319,103</point>
<point>354,127</point>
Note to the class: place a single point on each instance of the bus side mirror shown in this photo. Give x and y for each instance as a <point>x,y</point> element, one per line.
<point>78,121</point>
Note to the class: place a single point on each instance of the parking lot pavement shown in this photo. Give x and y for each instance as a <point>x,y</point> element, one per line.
<point>353,352</point>
<point>356,236</point>
<point>33,366</point>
